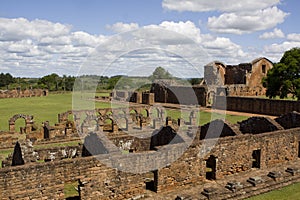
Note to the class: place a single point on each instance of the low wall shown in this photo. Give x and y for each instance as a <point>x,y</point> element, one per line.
<point>34,181</point>
<point>257,105</point>
<point>23,93</point>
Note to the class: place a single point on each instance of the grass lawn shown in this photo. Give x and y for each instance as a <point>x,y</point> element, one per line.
<point>42,108</point>
<point>4,154</point>
<point>47,108</point>
<point>291,192</point>
<point>206,117</point>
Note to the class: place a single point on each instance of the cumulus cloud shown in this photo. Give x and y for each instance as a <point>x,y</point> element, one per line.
<point>187,28</point>
<point>183,44</point>
<point>237,17</point>
<point>217,5</point>
<point>276,50</point>
<point>122,27</point>
<point>33,50</point>
<point>240,23</point>
<point>20,29</point>
<point>276,33</point>
<point>41,46</point>
<point>294,37</point>
<point>81,38</point>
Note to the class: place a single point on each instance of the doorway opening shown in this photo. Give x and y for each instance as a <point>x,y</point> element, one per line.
<point>256,158</point>
<point>211,168</point>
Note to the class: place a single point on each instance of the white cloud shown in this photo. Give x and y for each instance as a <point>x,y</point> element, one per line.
<point>39,52</point>
<point>84,39</point>
<point>276,33</point>
<point>294,37</point>
<point>237,17</point>
<point>240,23</point>
<point>275,51</point>
<point>122,27</point>
<point>187,28</point>
<point>20,29</point>
<point>220,48</point>
<point>217,5</point>
<point>31,48</point>
<point>60,40</point>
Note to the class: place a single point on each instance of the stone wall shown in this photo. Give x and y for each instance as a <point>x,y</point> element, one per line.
<point>99,181</point>
<point>236,74</point>
<point>186,95</point>
<point>134,97</point>
<point>23,93</point>
<point>257,105</point>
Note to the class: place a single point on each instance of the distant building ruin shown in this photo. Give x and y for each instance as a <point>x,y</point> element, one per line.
<point>244,79</point>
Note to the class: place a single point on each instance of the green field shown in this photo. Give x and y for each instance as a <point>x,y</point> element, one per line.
<point>206,117</point>
<point>42,108</point>
<point>47,108</point>
<point>291,192</point>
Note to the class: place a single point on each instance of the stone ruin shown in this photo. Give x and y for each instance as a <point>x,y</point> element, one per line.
<point>17,93</point>
<point>243,79</point>
<point>268,150</point>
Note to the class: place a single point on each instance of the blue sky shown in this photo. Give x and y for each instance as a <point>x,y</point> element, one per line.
<point>41,37</point>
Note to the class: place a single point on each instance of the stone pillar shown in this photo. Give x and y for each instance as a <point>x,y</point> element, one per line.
<point>28,126</point>
<point>115,127</point>
<point>168,121</point>
<point>129,123</point>
<point>139,98</point>
<point>126,96</point>
<point>12,127</point>
<point>151,100</point>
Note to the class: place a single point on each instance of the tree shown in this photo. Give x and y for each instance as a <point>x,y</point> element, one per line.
<point>6,79</point>
<point>195,81</point>
<point>68,82</point>
<point>52,81</point>
<point>113,81</point>
<point>160,73</point>
<point>284,78</point>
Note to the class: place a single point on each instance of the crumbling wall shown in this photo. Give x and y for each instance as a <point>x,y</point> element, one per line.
<point>102,182</point>
<point>218,128</point>
<point>257,105</point>
<point>256,125</point>
<point>290,120</point>
<point>23,93</point>
<point>186,95</point>
<point>236,74</point>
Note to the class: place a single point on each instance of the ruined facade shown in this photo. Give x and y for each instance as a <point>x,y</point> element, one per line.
<point>244,79</point>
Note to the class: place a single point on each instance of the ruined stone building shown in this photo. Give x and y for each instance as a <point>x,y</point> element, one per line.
<point>270,148</point>
<point>244,79</point>
<point>173,92</point>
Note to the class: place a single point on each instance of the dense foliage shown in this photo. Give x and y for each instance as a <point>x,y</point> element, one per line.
<point>284,78</point>
<point>6,79</point>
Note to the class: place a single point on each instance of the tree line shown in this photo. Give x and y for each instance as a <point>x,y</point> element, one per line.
<point>54,82</point>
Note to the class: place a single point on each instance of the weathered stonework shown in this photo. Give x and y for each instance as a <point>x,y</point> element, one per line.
<point>256,105</point>
<point>99,181</point>
<point>23,93</point>
<point>178,94</point>
<point>244,79</point>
